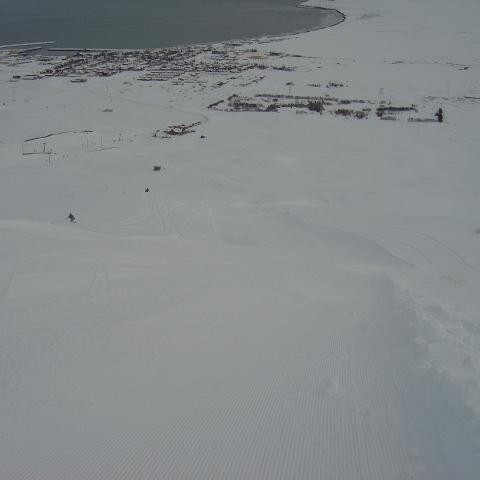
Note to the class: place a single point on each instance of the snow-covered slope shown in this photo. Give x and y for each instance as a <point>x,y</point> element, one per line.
<point>293,296</point>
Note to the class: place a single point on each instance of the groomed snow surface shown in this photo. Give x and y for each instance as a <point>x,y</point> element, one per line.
<point>296,296</point>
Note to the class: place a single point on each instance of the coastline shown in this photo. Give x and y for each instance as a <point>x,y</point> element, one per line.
<point>263,38</point>
<point>307,30</point>
<point>243,38</point>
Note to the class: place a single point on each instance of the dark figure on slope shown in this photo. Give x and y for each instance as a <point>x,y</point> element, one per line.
<point>71,217</point>
<point>439,115</point>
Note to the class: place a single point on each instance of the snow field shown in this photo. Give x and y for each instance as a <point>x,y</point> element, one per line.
<point>294,297</point>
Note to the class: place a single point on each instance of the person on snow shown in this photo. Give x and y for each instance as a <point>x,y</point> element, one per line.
<point>439,115</point>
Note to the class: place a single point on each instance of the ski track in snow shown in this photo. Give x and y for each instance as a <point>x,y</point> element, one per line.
<point>445,246</point>
<point>8,279</point>
<point>158,212</point>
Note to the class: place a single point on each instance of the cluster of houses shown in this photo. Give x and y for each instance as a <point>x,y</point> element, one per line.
<point>154,65</point>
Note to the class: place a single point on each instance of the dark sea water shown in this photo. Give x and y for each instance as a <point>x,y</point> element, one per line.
<point>152,23</point>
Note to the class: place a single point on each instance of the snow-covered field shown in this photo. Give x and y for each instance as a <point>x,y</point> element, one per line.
<point>296,296</point>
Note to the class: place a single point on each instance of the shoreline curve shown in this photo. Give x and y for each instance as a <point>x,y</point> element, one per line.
<point>272,37</point>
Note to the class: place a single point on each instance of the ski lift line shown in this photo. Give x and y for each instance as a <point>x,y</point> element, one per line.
<point>57,133</point>
<point>204,118</point>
